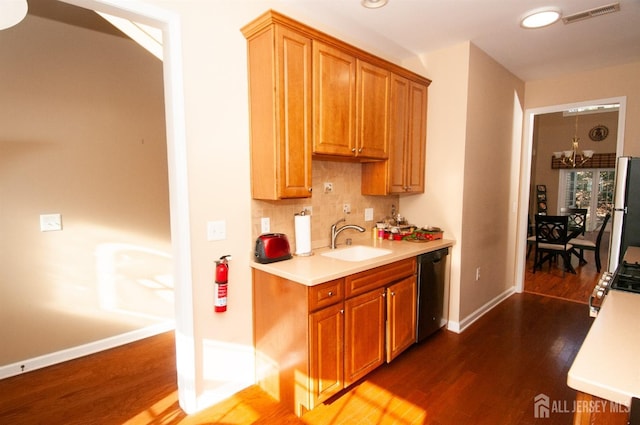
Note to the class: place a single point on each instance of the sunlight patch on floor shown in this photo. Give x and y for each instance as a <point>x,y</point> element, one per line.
<point>371,404</point>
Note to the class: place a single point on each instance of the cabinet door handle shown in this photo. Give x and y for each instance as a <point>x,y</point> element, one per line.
<point>384,295</point>
<point>310,189</point>
<point>342,311</point>
<point>393,294</point>
<point>353,150</point>
<point>360,150</point>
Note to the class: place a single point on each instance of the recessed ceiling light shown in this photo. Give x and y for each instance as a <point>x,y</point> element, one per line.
<point>540,18</point>
<point>12,12</point>
<point>374,4</point>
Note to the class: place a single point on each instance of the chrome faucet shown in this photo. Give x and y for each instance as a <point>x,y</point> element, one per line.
<point>335,231</point>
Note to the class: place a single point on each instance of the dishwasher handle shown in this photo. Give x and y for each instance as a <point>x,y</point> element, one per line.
<point>436,256</point>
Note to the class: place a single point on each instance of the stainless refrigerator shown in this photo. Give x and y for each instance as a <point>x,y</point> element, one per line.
<point>625,227</point>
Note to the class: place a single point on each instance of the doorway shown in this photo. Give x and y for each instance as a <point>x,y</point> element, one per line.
<point>169,24</point>
<point>527,162</point>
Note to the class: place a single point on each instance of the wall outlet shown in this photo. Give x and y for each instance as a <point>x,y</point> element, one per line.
<point>368,214</point>
<point>265,225</point>
<point>477,273</point>
<point>328,187</point>
<point>346,208</point>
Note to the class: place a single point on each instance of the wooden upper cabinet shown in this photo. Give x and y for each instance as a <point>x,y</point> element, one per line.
<point>279,60</point>
<point>314,96</point>
<point>399,126</point>
<point>351,105</point>
<point>404,173</point>
<point>416,139</point>
<point>334,101</point>
<point>372,111</point>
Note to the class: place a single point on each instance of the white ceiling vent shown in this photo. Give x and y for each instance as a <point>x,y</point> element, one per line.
<point>591,13</point>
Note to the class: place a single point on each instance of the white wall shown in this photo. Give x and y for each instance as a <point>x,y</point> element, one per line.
<point>474,122</point>
<point>442,203</point>
<point>583,86</point>
<point>83,135</point>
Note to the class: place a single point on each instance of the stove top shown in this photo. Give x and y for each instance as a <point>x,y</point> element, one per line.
<point>627,277</point>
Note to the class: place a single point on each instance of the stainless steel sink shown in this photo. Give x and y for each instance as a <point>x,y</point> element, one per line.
<point>356,253</point>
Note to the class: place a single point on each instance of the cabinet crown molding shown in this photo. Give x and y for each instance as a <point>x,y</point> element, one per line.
<point>271,17</point>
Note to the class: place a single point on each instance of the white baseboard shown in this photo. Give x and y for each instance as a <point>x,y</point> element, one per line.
<point>82,350</point>
<point>459,327</point>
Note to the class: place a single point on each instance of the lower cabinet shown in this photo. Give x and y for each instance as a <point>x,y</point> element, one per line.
<point>402,314</point>
<point>590,412</point>
<point>311,342</point>
<point>364,334</point>
<point>326,353</point>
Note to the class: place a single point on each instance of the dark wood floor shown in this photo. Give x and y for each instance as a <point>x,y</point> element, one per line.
<point>550,281</point>
<point>489,374</point>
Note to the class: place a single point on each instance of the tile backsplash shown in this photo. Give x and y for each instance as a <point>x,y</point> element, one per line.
<point>326,207</point>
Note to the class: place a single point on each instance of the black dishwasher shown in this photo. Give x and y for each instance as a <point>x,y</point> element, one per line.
<point>431,281</point>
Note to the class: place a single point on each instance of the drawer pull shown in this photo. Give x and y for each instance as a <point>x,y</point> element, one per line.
<point>330,293</point>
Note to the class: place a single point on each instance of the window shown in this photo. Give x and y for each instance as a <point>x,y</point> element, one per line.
<point>587,188</point>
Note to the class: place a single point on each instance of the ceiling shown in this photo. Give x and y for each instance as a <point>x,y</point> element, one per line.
<point>72,15</point>
<point>406,28</point>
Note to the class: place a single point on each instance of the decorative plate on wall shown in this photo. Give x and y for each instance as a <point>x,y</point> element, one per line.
<point>598,133</point>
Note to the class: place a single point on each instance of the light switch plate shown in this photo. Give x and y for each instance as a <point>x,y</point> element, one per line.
<point>216,230</point>
<point>265,225</point>
<point>50,222</point>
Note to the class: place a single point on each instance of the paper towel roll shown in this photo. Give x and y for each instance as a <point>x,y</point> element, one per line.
<point>303,234</point>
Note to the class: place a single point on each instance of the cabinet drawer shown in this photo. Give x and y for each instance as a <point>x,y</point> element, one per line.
<point>360,283</point>
<point>326,294</point>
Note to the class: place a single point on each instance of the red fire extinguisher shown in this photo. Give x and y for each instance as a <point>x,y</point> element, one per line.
<point>220,290</point>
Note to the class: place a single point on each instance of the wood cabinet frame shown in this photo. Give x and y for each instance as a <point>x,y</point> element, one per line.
<point>352,120</point>
<point>404,172</point>
<point>279,62</point>
<point>313,341</point>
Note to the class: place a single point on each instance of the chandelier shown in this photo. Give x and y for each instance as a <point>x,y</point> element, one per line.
<point>571,158</point>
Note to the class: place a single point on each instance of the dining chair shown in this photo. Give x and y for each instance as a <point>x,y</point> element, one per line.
<point>531,236</point>
<point>581,244</point>
<point>551,241</point>
<point>577,220</point>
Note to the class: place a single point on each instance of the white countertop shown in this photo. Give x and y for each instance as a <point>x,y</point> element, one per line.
<point>608,363</point>
<point>317,268</point>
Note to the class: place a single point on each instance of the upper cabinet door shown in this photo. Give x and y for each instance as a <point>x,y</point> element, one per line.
<point>404,172</point>
<point>334,101</point>
<point>408,136</point>
<point>417,138</point>
<point>279,62</point>
<point>294,112</point>
<point>398,138</point>
<point>372,112</point>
